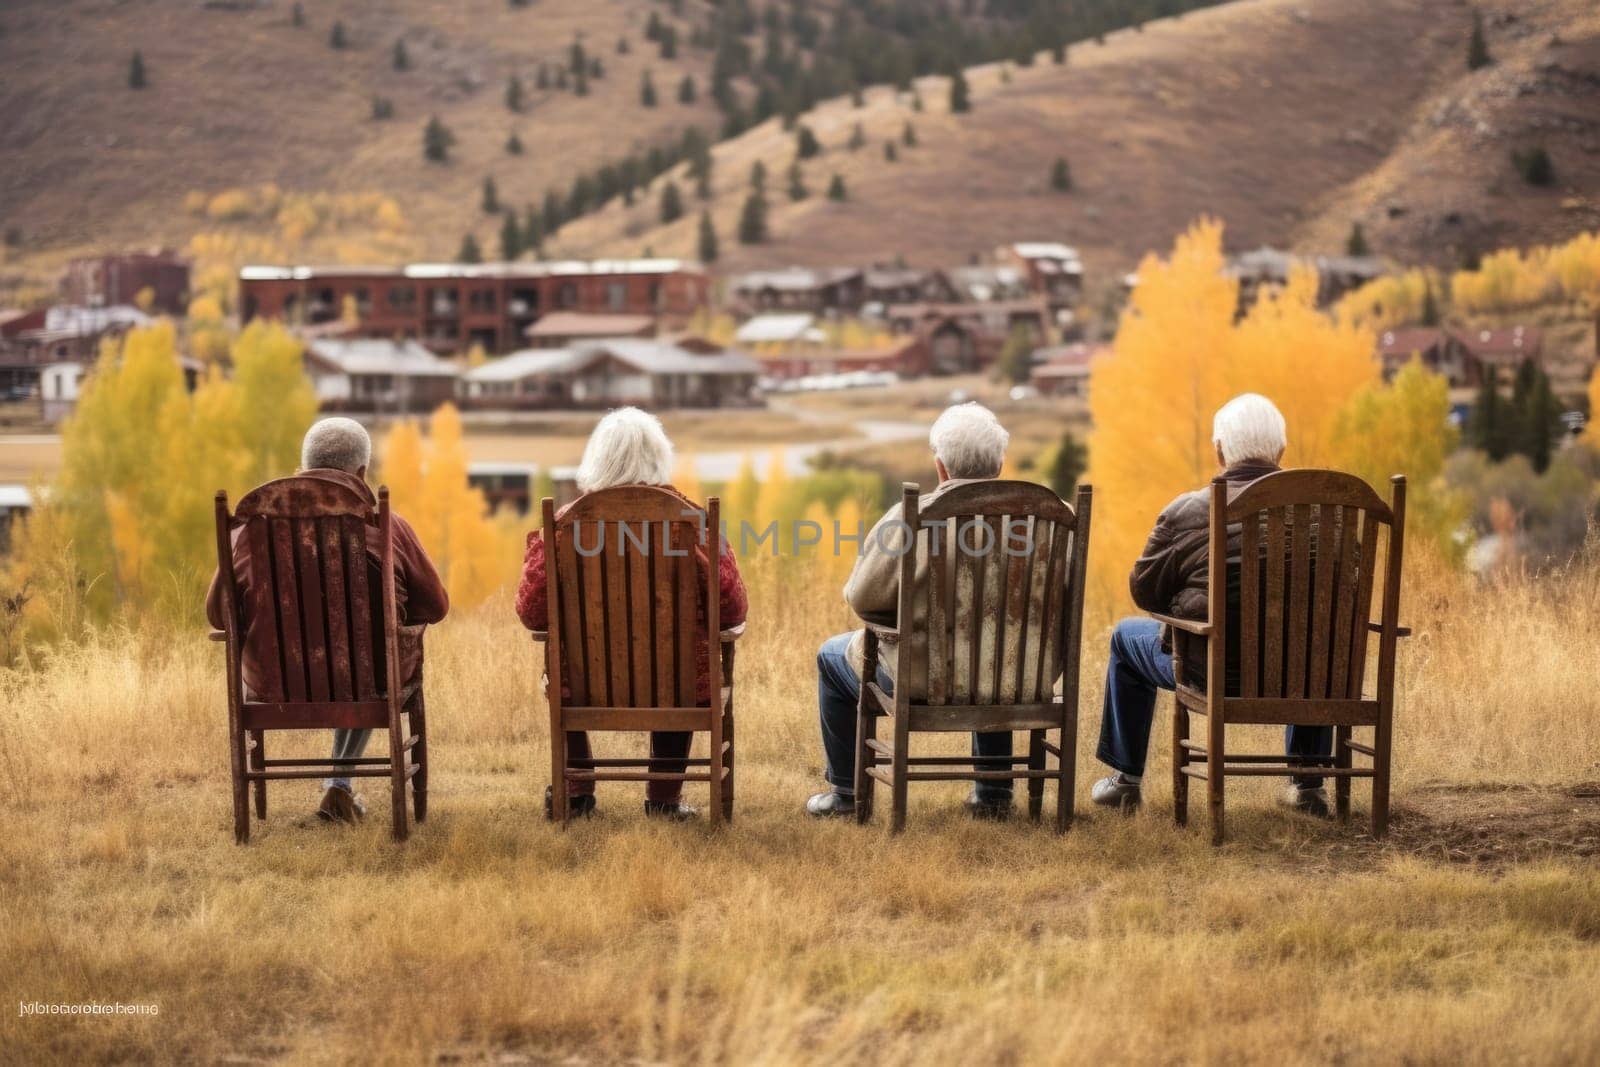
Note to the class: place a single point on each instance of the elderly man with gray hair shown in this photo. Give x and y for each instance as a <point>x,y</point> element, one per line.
<point>338,450</point>
<point>969,444</point>
<point>1170,578</point>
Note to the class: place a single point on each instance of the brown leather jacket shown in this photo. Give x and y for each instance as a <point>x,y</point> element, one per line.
<point>418,591</point>
<point>1171,575</point>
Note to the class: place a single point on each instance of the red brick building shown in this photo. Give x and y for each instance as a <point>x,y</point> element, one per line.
<point>452,306</point>
<point>120,277</point>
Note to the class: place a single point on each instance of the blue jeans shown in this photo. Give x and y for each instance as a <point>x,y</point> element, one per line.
<point>1138,669</point>
<point>839,689</point>
<point>347,744</point>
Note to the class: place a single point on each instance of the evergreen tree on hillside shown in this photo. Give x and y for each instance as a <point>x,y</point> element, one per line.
<point>753,220</point>
<point>1430,304</point>
<point>514,91</point>
<point>1058,53</point>
<point>758,176</point>
<point>806,144</point>
<point>382,108</point>
<point>671,203</point>
<point>491,197</point>
<point>622,46</point>
<point>708,239</point>
<point>469,252</point>
<point>136,75</point>
<point>297,15</point>
<point>960,95</point>
<point>858,137</point>
<point>336,37</point>
<point>510,237</point>
<point>1478,45</point>
<point>541,80</point>
<point>1534,165</point>
<point>890,153</point>
<point>909,135</point>
<point>1356,243</point>
<point>1061,176</point>
<point>513,145</point>
<point>647,90</point>
<point>436,141</point>
<point>401,60</point>
<point>836,189</point>
<point>668,42</point>
<point>687,93</point>
<point>1488,426</point>
<point>1535,415</point>
<point>1067,466</point>
<point>797,183</point>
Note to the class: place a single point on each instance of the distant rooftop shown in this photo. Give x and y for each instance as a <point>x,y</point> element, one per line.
<point>775,329</point>
<point>368,355</point>
<point>514,269</point>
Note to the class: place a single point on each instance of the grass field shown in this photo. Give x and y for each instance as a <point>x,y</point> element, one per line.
<point>1471,935</point>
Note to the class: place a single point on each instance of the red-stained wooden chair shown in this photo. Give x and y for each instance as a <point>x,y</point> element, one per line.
<point>626,598</point>
<point>1301,599</point>
<point>334,640</point>
<point>1003,623</point>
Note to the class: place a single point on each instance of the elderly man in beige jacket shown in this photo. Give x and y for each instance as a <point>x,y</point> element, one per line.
<point>969,444</point>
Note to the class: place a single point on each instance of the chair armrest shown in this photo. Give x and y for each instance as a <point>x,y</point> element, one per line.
<point>217,635</point>
<point>1188,626</point>
<point>881,632</point>
<point>731,634</point>
<point>1399,631</point>
<point>541,636</point>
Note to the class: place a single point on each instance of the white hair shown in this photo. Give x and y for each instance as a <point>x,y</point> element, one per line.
<point>339,443</point>
<point>628,447</point>
<point>1249,427</point>
<point>969,441</point>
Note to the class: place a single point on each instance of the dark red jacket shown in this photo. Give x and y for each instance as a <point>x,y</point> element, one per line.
<point>420,594</point>
<point>533,596</point>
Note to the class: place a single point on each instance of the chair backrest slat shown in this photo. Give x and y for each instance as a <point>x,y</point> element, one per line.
<point>996,590</point>
<point>311,596</point>
<point>634,601</point>
<point>1308,543</point>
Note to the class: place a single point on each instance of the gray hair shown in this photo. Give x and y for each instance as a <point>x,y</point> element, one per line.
<point>339,443</point>
<point>969,441</point>
<point>1249,427</point>
<point>628,447</point>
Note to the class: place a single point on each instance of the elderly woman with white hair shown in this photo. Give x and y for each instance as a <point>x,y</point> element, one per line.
<point>630,447</point>
<point>1170,578</point>
<point>969,444</point>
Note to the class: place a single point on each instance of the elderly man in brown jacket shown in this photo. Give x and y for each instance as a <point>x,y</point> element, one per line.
<point>968,444</point>
<point>1170,578</point>
<point>339,450</point>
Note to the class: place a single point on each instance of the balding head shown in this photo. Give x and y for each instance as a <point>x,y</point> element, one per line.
<point>338,444</point>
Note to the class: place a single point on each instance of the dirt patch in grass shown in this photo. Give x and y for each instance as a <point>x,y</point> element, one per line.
<point>1496,825</point>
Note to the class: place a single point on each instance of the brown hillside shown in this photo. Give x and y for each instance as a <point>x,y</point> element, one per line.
<point>1269,113</point>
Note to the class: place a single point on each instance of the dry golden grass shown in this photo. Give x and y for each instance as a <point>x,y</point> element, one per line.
<point>781,940</point>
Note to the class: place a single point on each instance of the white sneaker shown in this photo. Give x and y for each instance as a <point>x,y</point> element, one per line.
<point>1312,802</point>
<point>1116,792</point>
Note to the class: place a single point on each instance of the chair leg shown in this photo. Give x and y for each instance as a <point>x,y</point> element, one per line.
<point>714,766</point>
<point>1067,782</point>
<point>397,777</point>
<point>866,730</point>
<point>902,752</point>
<point>1180,759</point>
<point>258,762</point>
<point>559,808</point>
<point>241,788</point>
<point>1214,775</point>
<point>1035,763</point>
<point>727,789</point>
<point>419,755</point>
<point>1381,744</point>
<point>1341,786</point>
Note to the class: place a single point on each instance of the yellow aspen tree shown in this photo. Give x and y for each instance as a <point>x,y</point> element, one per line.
<point>742,496</point>
<point>687,482</point>
<point>1591,432</point>
<point>401,469</point>
<point>278,402</point>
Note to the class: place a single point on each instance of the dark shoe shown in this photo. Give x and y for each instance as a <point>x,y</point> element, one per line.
<point>1312,802</point>
<point>831,805</point>
<point>671,810</point>
<point>1116,792</point>
<point>995,809</point>
<point>341,805</point>
<point>583,804</point>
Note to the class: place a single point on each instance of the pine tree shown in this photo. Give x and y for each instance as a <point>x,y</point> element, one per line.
<point>436,141</point>
<point>400,60</point>
<point>1356,243</point>
<point>836,190</point>
<point>1534,165</point>
<point>1061,176</point>
<point>669,42</point>
<point>1535,415</point>
<point>510,237</point>
<point>491,197</point>
<point>580,83</point>
<point>647,90</point>
<point>532,230</point>
<point>622,46</point>
<point>1487,425</point>
<point>1058,54</point>
<point>1430,304</point>
<point>909,135</point>
<point>797,183</point>
<point>469,252</point>
<point>890,153</point>
<point>1067,465</point>
<point>297,15</point>
<point>1478,45</point>
<point>858,137</point>
<point>514,91</point>
<point>758,176</point>
<point>753,220</point>
<point>687,94</point>
<point>513,145</point>
<point>960,95</point>
<point>336,37</point>
<point>708,239</point>
<point>1016,357</point>
<point>597,69</point>
<point>671,203</point>
<point>541,80</point>
<point>136,75</point>
<point>382,108</point>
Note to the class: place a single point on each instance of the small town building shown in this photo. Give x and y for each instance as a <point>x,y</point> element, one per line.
<point>906,357</point>
<point>504,485</point>
<point>781,328</point>
<point>31,341</point>
<point>1063,370</point>
<point>1269,269</point>
<point>968,337</point>
<point>381,376</point>
<point>16,501</point>
<point>159,276</point>
<point>1051,269</point>
<point>562,328</point>
<point>653,373</point>
<point>832,289</point>
<point>1462,356</point>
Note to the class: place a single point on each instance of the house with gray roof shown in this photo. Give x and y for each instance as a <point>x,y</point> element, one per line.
<point>648,372</point>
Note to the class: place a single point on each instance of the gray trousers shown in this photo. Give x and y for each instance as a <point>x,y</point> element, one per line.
<point>347,744</point>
